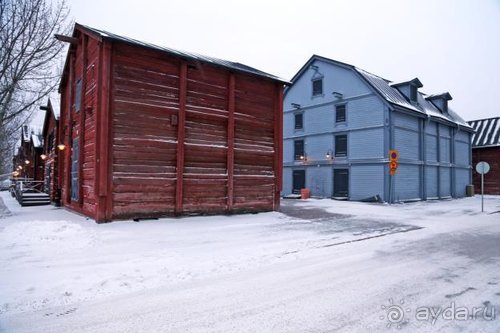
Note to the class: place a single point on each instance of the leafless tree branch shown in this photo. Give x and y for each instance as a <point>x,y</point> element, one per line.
<point>29,55</point>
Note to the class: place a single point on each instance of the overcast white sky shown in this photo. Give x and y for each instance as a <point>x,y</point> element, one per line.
<point>450,45</point>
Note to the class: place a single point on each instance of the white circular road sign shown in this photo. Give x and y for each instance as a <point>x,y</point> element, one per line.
<point>482,168</point>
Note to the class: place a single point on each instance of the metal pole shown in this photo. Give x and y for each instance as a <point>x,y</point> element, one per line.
<point>390,189</point>
<point>482,192</point>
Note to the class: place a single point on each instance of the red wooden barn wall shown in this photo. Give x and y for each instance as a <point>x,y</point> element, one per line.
<point>50,139</point>
<point>491,155</point>
<point>83,63</point>
<point>172,135</point>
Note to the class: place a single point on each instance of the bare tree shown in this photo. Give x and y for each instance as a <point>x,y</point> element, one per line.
<point>28,57</point>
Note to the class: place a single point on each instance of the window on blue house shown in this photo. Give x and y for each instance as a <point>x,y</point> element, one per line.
<point>299,150</point>
<point>340,113</point>
<point>317,87</point>
<point>341,145</point>
<point>299,121</point>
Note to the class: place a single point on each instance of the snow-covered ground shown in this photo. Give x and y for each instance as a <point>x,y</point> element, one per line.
<point>319,266</point>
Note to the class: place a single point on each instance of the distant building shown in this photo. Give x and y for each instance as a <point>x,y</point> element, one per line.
<point>340,122</point>
<point>50,134</point>
<point>27,162</point>
<point>151,131</point>
<point>486,147</point>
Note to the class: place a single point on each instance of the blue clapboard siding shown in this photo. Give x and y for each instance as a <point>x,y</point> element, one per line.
<point>431,182</point>
<point>444,182</point>
<point>406,136</point>
<point>431,144</point>
<point>335,78</point>
<point>406,121</point>
<point>366,144</point>
<point>365,112</point>
<point>319,181</point>
<point>462,156</point>
<point>407,183</point>
<point>287,181</point>
<point>444,149</point>
<point>462,179</point>
<point>407,143</point>
<point>366,181</point>
<point>374,124</point>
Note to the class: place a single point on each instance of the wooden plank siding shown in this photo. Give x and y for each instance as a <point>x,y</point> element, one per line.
<point>84,66</point>
<point>144,142</point>
<point>162,134</point>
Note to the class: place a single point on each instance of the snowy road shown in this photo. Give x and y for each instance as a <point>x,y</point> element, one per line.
<point>322,266</point>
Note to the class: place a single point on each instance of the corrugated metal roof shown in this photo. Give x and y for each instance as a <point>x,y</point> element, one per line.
<point>487,132</point>
<point>198,57</point>
<point>387,89</point>
<point>391,94</point>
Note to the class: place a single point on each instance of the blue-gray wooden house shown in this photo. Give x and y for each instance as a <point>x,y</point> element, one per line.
<point>340,122</point>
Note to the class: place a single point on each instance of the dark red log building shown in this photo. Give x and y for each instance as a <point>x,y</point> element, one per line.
<point>50,134</point>
<point>486,147</point>
<point>151,131</point>
<point>27,162</point>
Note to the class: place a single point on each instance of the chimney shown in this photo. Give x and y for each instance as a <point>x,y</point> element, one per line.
<point>409,89</point>
<point>440,101</point>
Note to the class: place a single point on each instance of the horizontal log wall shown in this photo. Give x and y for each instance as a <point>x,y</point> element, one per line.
<point>83,61</point>
<point>220,124</point>
<point>490,155</point>
<point>145,106</point>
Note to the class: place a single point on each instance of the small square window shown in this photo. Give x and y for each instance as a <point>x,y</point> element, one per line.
<point>340,113</point>
<point>317,86</point>
<point>299,150</point>
<point>341,145</point>
<point>299,121</point>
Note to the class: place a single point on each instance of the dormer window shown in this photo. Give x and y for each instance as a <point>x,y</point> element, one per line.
<point>317,87</point>
<point>409,89</point>
<point>440,101</point>
<point>413,93</point>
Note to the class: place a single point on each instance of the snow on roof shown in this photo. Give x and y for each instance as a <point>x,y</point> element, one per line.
<point>37,140</point>
<point>487,132</point>
<point>215,61</point>
<point>56,105</point>
<point>392,95</point>
<point>387,89</point>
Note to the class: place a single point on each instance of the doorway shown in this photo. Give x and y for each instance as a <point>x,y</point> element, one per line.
<point>299,180</point>
<point>341,183</point>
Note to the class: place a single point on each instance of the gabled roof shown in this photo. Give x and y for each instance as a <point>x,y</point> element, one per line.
<point>445,95</point>
<point>390,94</point>
<point>416,82</point>
<point>487,132</point>
<point>52,110</point>
<point>386,89</point>
<point>236,66</point>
